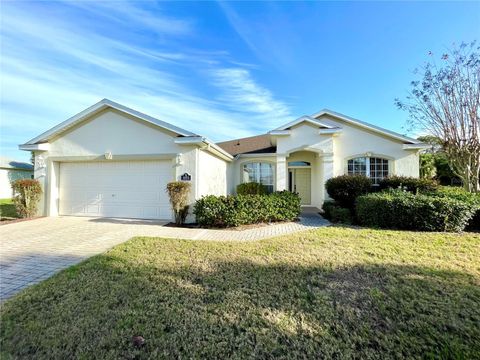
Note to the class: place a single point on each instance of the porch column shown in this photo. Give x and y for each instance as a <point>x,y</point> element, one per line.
<point>281,173</point>
<point>327,172</point>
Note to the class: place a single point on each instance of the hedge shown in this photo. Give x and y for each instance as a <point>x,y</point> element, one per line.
<point>403,210</point>
<point>251,188</point>
<point>345,189</point>
<point>460,194</point>
<point>335,213</point>
<point>408,183</point>
<point>226,211</point>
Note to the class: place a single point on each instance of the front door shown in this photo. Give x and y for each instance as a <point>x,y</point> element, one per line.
<point>299,182</point>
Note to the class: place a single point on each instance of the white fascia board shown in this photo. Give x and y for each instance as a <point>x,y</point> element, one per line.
<point>101,105</point>
<point>365,125</point>
<point>419,146</point>
<point>329,131</point>
<point>301,119</point>
<point>256,155</point>
<point>280,132</point>
<point>35,147</point>
<point>205,144</point>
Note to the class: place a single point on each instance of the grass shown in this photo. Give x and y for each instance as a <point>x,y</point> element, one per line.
<point>328,293</point>
<point>7,209</point>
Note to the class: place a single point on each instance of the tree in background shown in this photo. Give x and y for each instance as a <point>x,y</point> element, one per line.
<point>445,103</point>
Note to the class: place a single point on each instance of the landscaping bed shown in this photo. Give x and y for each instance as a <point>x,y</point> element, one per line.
<point>327,293</point>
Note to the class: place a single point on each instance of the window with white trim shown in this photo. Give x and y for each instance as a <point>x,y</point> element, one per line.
<point>373,167</point>
<point>258,172</point>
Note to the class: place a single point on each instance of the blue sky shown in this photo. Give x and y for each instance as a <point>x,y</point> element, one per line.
<point>223,70</point>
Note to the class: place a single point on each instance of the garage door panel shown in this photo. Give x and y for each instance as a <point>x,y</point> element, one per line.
<point>130,189</point>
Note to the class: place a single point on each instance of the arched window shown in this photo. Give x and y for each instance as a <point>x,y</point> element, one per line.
<point>258,172</point>
<point>373,167</point>
<point>298,163</point>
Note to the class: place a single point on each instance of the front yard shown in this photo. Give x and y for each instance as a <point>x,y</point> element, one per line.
<point>329,293</point>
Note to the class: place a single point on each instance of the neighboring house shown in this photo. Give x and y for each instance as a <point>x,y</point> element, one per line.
<point>113,161</point>
<point>11,170</point>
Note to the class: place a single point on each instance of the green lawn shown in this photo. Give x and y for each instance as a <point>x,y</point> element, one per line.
<point>328,293</point>
<point>7,209</point>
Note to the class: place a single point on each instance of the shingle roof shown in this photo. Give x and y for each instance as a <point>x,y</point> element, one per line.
<point>6,163</point>
<point>259,144</point>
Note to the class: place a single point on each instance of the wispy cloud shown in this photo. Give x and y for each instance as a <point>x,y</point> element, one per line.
<point>243,94</point>
<point>57,64</point>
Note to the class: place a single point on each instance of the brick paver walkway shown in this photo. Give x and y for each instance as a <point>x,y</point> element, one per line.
<point>32,251</point>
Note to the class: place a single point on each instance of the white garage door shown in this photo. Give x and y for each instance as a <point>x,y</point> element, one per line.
<point>126,189</point>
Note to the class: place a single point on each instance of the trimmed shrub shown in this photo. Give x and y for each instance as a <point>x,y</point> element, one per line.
<point>346,188</point>
<point>397,209</point>
<point>226,211</point>
<point>251,188</point>
<point>178,192</point>
<point>408,183</point>
<point>337,214</point>
<point>460,194</point>
<point>26,194</point>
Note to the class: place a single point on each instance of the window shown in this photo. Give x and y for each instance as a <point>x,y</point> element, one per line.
<point>372,167</point>
<point>298,163</point>
<point>259,172</point>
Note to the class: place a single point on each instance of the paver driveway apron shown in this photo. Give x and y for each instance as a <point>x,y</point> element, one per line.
<point>32,251</point>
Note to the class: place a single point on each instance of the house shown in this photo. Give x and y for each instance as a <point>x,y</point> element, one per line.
<point>112,161</point>
<point>11,170</point>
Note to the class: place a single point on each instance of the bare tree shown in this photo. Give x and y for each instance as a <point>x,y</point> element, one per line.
<point>445,103</point>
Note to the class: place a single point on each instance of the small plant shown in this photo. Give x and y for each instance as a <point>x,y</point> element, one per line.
<point>178,192</point>
<point>346,188</point>
<point>251,188</point>
<point>26,196</point>
<point>337,214</point>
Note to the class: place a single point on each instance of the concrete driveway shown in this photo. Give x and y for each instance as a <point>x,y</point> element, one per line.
<point>34,250</point>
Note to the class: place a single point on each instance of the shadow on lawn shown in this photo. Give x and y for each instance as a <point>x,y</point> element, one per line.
<point>243,309</point>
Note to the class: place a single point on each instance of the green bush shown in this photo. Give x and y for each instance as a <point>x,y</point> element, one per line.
<point>26,196</point>
<point>337,214</point>
<point>397,209</point>
<point>225,211</point>
<point>346,188</point>
<point>251,188</point>
<point>408,183</point>
<point>460,194</point>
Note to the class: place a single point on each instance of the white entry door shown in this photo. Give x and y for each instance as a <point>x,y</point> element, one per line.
<point>299,180</point>
<point>125,189</point>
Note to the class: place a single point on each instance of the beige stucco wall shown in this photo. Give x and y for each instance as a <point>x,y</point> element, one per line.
<point>213,171</point>
<point>125,137</point>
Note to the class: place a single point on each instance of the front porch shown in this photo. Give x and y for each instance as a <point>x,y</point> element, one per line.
<point>304,172</point>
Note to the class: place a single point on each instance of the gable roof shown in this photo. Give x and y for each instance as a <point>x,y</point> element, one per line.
<point>250,145</point>
<point>365,125</point>
<point>304,118</point>
<point>96,108</point>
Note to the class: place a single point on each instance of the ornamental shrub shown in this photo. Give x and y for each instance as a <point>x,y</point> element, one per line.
<point>460,194</point>
<point>251,188</point>
<point>345,189</point>
<point>337,214</point>
<point>226,211</point>
<point>408,183</point>
<point>26,194</point>
<point>178,192</point>
<point>396,209</point>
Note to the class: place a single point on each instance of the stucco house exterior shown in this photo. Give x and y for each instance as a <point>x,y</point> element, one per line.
<point>113,161</point>
<point>11,170</point>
